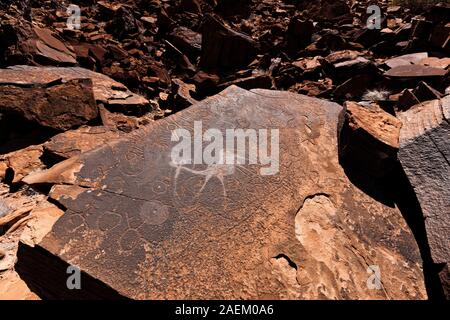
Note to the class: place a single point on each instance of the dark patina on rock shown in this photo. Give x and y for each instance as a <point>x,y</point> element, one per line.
<point>425,156</point>
<point>147,228</point>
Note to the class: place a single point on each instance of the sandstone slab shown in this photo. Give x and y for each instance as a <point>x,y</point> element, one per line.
<point>142,226</point>
<point>21,163</point>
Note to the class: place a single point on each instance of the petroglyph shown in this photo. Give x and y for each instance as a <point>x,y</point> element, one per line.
<point>212,230</point>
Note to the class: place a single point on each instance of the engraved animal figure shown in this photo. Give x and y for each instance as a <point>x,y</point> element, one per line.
<point>215,170</point>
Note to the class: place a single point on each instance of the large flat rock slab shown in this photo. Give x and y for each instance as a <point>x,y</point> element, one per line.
<point>148,227</point>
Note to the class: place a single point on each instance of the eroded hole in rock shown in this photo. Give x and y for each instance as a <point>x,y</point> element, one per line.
<point>288,260</point>
<point>286,271</point>
<point>50,158</point>
<point>9,176</point>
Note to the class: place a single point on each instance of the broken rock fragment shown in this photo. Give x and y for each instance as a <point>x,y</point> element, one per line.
<point>25,43</point>
<point>343,70</point>
<point>72,143</point>
<point>223,47</point>
<point>124,24</point>
<point>415,71</point>
<point>425,92</point>
<point>56,104</point>
<point>299,34</point>
<point>369,138</point>
<point>291,226</point>
<point>407,59</point>
<point>188,41</point>
<point>407,99</point>
<point>15,207</point>
<point>106,91</point>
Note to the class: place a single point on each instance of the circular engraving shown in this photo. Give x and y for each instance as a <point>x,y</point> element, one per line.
<point>154,213</point>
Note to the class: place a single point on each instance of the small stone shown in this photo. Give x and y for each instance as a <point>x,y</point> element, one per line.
<point>415,71</point>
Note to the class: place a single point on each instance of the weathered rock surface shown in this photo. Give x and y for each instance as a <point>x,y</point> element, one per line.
<point>72,143</point>
<point>407,59</point>
<point>105,89</point>
<point>21,163</point>
<point>24,215</point>
<point>425,156</point>
<point>159,49</point>
<point>56,104</point>
<point>223,231</point>
<point>436,62</point>
<point>15,208</point>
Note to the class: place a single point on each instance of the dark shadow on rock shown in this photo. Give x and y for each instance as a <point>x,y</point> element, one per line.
<point>360,165</point>
<point>406,200</point>
<point>388,184</point>
<point>17,133</point>
<point>40,269</point>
